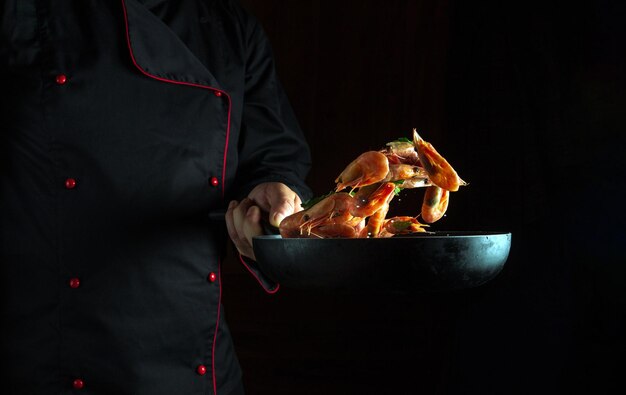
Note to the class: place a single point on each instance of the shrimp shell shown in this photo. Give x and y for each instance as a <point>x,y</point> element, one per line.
<point>369,168</point>
<point>439,170</point>
<point>435,203</point>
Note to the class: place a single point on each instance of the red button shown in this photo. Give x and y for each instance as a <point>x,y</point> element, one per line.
<point>61,79</point>
<point>214,181</point>
<point>70,183</point>
<point>201,370</point>
<point>212,277</point>
<point>78,384</point>
<point>74,282</point>
<point>217,93</point>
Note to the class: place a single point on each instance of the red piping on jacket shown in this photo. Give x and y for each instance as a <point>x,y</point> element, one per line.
<point>132,56</point>
<point>219,279</point>
<point>269,291</point>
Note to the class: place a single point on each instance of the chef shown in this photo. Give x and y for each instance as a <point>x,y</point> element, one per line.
<point>125,123</point>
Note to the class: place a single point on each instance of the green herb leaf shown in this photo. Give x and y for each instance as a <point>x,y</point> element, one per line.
<point>401,225</point>
<point>400,141</point>
<point>313,201</point>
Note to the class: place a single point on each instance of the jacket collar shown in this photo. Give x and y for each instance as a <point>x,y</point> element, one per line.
<point>158,52</point>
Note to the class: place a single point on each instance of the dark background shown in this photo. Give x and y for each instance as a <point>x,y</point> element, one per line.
<point>527,101</point>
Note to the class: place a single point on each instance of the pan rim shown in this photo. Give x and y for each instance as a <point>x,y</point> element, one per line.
<point>427,235</point>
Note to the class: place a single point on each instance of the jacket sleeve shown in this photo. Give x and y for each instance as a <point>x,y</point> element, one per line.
<point>271,147</point>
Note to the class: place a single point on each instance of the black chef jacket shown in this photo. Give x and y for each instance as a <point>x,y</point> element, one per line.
<point>124,122</point>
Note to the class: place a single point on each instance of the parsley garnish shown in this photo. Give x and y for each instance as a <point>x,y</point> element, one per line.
<point>401,140</point>
<point>397,189</point>
<point>401,225</point>
<point>313,201</point>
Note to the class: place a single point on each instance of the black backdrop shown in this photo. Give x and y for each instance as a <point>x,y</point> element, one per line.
<point>527,101</point>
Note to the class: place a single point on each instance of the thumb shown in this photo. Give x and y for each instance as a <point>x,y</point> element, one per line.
<point>282,204</point>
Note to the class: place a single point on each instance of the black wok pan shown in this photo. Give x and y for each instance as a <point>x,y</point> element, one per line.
<point>438,261</point>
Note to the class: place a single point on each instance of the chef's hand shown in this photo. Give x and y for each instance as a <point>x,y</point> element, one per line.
<point>243,219</point>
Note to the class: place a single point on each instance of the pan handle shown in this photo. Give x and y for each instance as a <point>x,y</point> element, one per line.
<point>219,215</point>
